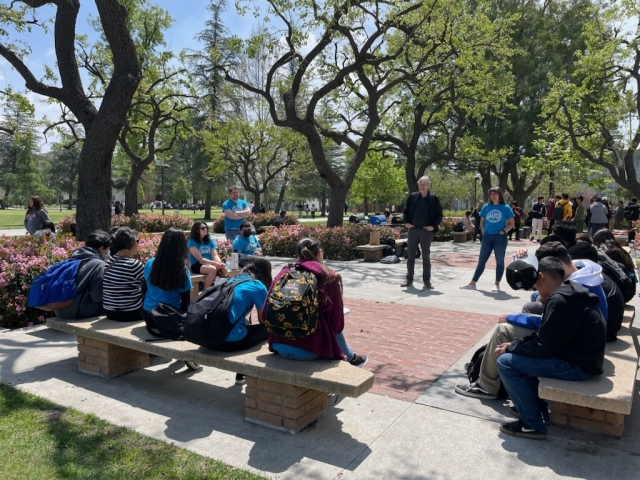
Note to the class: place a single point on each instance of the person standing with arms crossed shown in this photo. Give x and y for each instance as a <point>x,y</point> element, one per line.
<point>422,214</point>
<point>496,219</point>
<point>235,211</point>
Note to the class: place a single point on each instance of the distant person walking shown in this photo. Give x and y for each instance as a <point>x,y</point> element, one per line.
<point>618,216</point>
<point>517,212</point>
<point>538,211</point>
<point>495,222</point>
<point>36,215</point>
<point>422,214</point>
<point>476,222</point>
<point>581,214</point>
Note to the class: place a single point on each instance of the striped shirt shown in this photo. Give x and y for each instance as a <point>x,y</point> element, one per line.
<point>122,284</point>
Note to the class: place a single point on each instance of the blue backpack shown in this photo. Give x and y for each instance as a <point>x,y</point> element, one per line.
<point>55,287</point>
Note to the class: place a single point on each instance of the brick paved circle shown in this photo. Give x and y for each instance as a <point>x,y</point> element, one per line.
<point>408,346</point>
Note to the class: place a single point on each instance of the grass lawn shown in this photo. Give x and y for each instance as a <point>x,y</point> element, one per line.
<point>39,439</point>
<point>14,218</point>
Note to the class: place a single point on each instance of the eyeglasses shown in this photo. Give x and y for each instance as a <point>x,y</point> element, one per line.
<point>203,228</point>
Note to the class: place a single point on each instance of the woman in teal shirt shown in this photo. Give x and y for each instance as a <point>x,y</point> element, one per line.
<point>496,219</point>
<point>167,278</point>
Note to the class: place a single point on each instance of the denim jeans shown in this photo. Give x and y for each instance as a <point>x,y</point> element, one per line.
<point>231,233</point>
<point>303,357</point>
<point>520,375</point>
<point>496,243</point>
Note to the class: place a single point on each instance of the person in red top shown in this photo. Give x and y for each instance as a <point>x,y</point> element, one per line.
<point>328,339</point>
<point>551,204</point>
<point>517,212</point>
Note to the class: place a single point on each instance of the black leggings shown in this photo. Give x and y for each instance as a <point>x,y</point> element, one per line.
<point>255,334</point>
<point>124,316</point>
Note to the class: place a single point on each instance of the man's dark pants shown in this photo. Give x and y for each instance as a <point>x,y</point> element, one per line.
<point>424,238</point>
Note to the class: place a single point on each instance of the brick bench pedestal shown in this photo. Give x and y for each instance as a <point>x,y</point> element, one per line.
<point>108,360</point>
<point>282,406</point>
<point>587,419</point>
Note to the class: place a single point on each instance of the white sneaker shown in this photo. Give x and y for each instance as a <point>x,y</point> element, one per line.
<point>468,287</point>
<point>495,289</point>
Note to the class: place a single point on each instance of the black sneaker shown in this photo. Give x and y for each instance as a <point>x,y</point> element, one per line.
<point>427,286</point>
<point>240,379</point>
<point>520,429</point>
<point>474,390</point>
<point>359,360</point>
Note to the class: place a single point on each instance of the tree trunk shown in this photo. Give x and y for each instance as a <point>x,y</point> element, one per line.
<point>207,202</point>
<point>336,205</point>
<point>131,190</point>
<point>323,202</point>
<point>281,194</point>
<point>410,171</point>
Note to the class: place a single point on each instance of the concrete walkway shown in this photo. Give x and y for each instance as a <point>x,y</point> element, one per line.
<point>410,426</point>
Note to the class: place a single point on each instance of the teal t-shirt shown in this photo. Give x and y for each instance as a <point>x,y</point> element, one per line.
<point>156,295</point>
<point>245,296</point>
<point>246,246</point>
<point>205,249</point>
<point>495,217</point>
<point>234,207</point>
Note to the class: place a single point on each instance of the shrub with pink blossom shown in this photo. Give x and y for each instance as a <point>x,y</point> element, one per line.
<point>258,220</point>
<point>338,243</point>
<point>146,222</point>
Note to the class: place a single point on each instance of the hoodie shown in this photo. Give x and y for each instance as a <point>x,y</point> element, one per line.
<point>572,329</point>
<point>589,275</point>
<point>567,212</point>
<point>88,303</point>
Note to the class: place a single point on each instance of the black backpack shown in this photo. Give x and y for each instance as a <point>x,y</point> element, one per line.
<point>207,321</point>
<point>459,227</point>
<point>558,212</point>
<point>473,370</point>
<point>616,272</point>
<point>166,322</point>
<point>627,212</point>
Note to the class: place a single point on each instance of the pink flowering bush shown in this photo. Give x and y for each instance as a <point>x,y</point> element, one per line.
<point>338,243</point>
<point>445,229</point>
<point>258,220</point>
<point>146,222</point>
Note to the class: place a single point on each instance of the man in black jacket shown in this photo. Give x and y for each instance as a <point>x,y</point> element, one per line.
<point>569,345</point>
<point>422,215</point>
<point>538,212</point>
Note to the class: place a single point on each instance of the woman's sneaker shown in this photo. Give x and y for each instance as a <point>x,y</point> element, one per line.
<point>467,287</point>
<point>495,289</point>
<point>474,390</point>
<point>240,379</point>
<point>359,360</point>
<point>520,429</point>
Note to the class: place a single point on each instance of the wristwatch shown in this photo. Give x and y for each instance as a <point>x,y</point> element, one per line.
<point>503,231</point>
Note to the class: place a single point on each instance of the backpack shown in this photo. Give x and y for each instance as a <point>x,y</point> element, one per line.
<point>291,310</point>
<point>390,259</point>
<point>56,288</point>
<point>627,213</point>
<point>558,212</point>
<point>459,227</point>
<point>615,271</point>
<point>164,321</point>
<point>207,320</point>
<point>472,369</point>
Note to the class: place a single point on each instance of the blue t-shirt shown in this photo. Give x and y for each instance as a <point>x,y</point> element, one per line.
<point>156,295</point>
<point>246,246</point>
<point>245,297</point>
<point>234,207</point>
<point>495,217</point>
<point>205,249</point>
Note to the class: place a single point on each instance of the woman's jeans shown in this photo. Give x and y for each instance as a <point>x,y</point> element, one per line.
<point>496,243</point>
<point>342,343</point>
<point>520,375</point>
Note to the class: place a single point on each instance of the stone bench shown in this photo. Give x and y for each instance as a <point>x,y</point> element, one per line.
<point>401,244</point>
<point>282,394</point>
<point>195,281</point>
<point>372,253</point>
<point>599,404</point>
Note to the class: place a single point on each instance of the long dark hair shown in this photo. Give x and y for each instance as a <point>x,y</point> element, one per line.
<point>309,249</point>
<point>606,241</point>
<point>195,233</point>
<point>37,204</point>
<point>260,269</point>
<point>168,269</point>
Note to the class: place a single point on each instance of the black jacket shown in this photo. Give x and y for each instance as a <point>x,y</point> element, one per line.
<point>538,210</point>
<point>435,210</point>
<point>572,329</point>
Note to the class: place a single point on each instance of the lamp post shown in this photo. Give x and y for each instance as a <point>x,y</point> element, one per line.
<point>162,167</point>
<point>475,190</point>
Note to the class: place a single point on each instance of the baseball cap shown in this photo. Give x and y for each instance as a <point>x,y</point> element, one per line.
<point>522,273</point>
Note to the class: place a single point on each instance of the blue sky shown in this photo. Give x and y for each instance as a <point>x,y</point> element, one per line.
<point>189,19</point>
